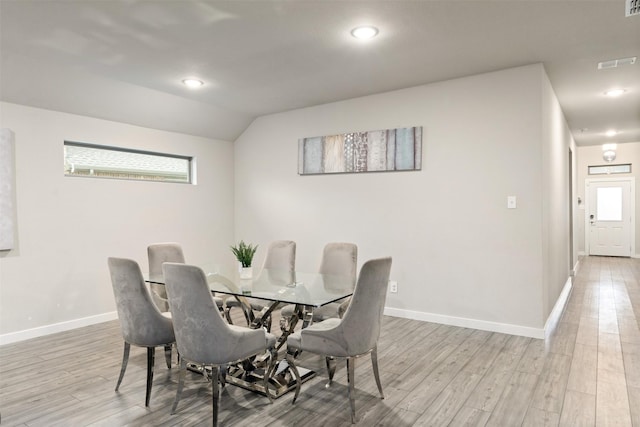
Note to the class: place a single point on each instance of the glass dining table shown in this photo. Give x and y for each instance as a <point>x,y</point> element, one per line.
<point>273,288</point>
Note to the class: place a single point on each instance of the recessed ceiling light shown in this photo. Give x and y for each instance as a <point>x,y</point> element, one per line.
<point>611,132</point>
<point>192,83</point>
<point>614,92</point>
<point>365,32</point>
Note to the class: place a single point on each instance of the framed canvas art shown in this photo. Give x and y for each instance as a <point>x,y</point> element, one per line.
<point>7,212</point>
<point>386,150</point>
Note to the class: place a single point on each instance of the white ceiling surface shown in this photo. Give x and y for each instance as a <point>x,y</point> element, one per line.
<point>123,60</point>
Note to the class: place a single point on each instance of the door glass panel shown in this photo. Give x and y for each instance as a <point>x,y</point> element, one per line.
<point>609,204</point>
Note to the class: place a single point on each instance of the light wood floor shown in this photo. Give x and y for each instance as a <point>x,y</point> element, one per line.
<point>587,373</point>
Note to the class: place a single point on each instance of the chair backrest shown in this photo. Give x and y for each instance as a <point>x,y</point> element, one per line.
<point>281,255</point>
<point>202,335</point>
<point>160,253</point>
<point>340,259</point>
<point>362,321</point>
<point>141,322</point>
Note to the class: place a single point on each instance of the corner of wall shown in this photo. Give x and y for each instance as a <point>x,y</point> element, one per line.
<point>554,316</point>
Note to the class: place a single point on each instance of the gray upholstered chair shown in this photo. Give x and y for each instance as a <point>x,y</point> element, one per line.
<point>141,322</point>
<point>280,257</point>
<point>160,253</point>
<point>340,259</point>
<point>355,335</point>
<point>202,335</point>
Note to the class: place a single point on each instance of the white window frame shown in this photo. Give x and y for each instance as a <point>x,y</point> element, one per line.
<point>94,169</point>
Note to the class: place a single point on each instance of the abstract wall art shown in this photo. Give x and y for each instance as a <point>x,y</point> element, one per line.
<point>7,212</point>
<point>386,150</point>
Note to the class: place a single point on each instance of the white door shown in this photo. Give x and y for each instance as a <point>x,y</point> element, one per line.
<point>609,218</point>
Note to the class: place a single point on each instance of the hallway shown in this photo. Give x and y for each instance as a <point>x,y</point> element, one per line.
<point>600,331</point>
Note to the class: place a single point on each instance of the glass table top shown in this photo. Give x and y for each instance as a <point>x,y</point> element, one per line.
<point>310,289</point>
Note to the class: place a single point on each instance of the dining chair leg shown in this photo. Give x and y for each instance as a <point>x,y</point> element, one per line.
<point>151,353</point>
<point>331,369</point>
<point>351,362</point>
<point>125,360</point>
<point>222,375</point>
<point>216,393</point>
<point>181,375</point>
<point>293,368</point>
<point>376,374</point>
<point>167,355</point>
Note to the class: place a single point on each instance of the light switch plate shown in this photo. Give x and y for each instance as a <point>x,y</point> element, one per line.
<point>511,202</point>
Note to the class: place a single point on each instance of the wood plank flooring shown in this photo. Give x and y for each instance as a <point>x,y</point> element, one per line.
<point>587,373</point>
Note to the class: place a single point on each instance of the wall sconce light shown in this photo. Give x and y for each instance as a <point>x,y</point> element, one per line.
<point>609,152</point>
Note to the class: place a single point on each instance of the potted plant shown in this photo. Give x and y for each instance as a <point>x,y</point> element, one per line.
<point>244,254</point>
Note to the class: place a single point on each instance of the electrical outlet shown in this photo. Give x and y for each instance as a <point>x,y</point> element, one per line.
<point>393,286</point>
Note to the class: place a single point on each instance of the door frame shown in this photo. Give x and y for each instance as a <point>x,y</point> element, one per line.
<point>632,207</point>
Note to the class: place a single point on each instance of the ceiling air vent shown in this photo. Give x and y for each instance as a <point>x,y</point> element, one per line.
<point>614,63</point>
<point>632,7</point>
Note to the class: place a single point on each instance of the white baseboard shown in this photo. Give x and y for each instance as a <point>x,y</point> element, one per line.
<point>56,327</point>
<point>555,314</point>
<point>503,328</point>
<point>576,268</point>
<point>632,255</point>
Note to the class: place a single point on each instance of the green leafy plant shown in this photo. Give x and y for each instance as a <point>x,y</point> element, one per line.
<point>244,253</point>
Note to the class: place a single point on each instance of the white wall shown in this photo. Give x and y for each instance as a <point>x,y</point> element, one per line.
<point>592,156</point>
<point>57,276</point>
<point>460,256</point>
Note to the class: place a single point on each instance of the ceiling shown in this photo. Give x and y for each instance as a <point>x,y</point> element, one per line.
<point>124,60</point>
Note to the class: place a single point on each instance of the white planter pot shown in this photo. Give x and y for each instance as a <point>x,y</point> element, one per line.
<point>246,272</point>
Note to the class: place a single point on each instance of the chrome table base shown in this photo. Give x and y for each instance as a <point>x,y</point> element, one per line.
<point>250,374</point>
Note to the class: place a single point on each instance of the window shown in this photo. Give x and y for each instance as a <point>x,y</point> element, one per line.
<point>609,204</point>
<point>609,169</point>
<point>111,162</point>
